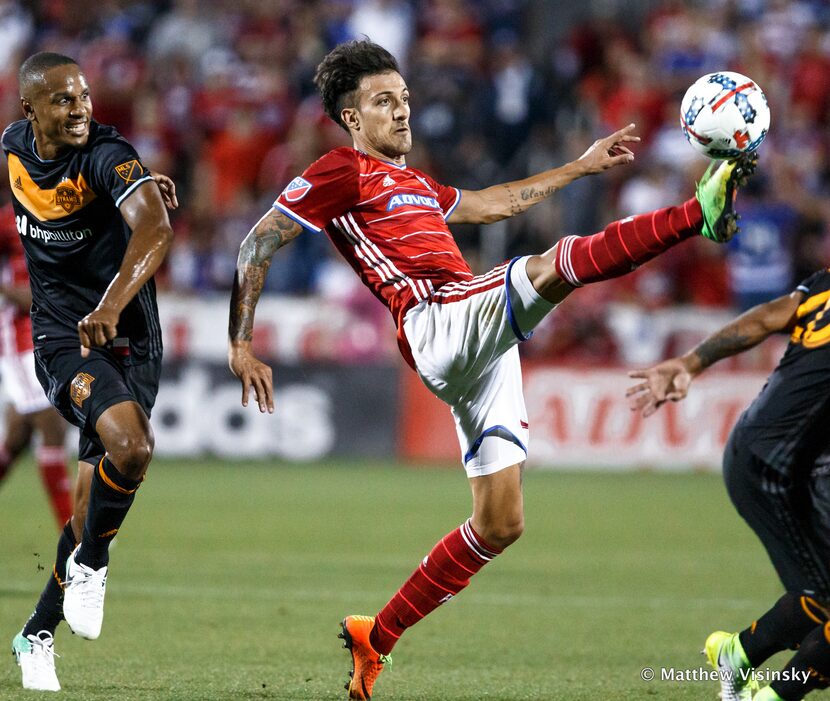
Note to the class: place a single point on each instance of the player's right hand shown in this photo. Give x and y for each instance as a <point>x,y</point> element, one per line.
<point>254,375</point>
<point>97,328</point>
<point>668,381</point>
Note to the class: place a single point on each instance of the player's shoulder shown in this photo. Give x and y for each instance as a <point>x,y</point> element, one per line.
<point>15,136</point>
<point>338,158</point>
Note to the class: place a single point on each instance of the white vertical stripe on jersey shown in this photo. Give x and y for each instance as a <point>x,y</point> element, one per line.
<point>365,254</point>
<point>386,260</point>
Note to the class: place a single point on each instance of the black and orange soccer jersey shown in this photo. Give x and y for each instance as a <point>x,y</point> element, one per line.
<point>74,236</point>
<point>788,424</point>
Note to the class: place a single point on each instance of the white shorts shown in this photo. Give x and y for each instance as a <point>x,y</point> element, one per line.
<point>20,383</point>
<point>464,343</point>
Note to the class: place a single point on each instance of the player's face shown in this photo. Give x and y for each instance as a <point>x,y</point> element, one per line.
<point>382,116</point>
<point>60,111</point>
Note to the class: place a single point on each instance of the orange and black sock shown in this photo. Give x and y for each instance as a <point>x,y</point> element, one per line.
<point>809,669</point>
<point>49,612</point>
<point>783,627</point>
<point>110,497</point>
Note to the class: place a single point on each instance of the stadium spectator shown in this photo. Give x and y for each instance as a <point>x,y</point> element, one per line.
<point>257,59</point>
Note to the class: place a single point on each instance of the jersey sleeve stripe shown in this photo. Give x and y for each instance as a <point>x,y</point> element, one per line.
<point>129,191</point>
<point>454,204</point>
<point>297,218</point>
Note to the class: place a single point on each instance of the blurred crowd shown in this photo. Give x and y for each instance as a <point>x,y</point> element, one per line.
<point>219,94</point>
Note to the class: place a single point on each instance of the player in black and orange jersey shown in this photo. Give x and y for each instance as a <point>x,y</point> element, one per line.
<point>94,228</point>
<point>776,467</point>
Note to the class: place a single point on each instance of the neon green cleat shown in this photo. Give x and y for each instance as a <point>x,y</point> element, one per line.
<point>716,193</point>
<point>767,694</point>
<point>726,654</point>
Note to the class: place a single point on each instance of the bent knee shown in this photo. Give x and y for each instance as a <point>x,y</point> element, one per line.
<point>505,533</point>
<point>132,454</point>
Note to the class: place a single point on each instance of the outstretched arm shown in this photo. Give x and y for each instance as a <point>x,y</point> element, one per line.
<point>144,213</point>
<point>670,380</point>
<point>270,233</point>
<point>508,199</point>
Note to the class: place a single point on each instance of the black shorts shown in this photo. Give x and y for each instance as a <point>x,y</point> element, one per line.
<point>790,513</point>
<point>82,389</point>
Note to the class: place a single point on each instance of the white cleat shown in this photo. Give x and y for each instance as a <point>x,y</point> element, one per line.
<point>35,654</point>
<point>83,598</point>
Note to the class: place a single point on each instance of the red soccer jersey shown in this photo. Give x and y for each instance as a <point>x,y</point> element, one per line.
<point>388,221</point>
<point>15,325</point>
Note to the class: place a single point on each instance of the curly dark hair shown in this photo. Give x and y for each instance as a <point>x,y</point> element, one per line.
<point>36,66</point>
<point>340,72</point>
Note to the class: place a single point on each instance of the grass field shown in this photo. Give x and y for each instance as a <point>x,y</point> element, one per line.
<point>228,582</point>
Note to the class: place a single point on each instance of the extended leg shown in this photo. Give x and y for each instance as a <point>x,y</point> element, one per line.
<point>626,244</point>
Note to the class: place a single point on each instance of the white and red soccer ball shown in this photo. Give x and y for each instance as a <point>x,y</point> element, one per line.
<point>724,114</point>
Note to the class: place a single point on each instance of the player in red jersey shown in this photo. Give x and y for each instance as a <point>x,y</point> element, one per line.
<point>458,331</point>
<point>29,410</point>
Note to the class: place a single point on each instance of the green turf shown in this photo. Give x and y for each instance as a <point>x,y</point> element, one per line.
<point>228,582</point>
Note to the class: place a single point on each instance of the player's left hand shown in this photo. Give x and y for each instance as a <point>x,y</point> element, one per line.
<point>96,329</point>
<point>168,189</point>
<point>610,151</point>
<point>668,381</point>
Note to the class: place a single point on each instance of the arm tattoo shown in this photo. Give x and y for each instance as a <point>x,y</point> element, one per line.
<point>722,345</point>
<point>532,195</point>
<point>252,266</point>
<point>515,207</point>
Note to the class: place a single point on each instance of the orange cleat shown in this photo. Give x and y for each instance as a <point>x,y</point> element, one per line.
<point>366,663</point>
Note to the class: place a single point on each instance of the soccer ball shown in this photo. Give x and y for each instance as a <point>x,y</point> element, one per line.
<point>724,114</point>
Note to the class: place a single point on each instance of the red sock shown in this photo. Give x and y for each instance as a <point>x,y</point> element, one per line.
<point>51,461</point>
<point>625,244</point>
<point>442,574</point>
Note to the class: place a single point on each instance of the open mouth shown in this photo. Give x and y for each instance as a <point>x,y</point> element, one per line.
<point>77,129</point>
